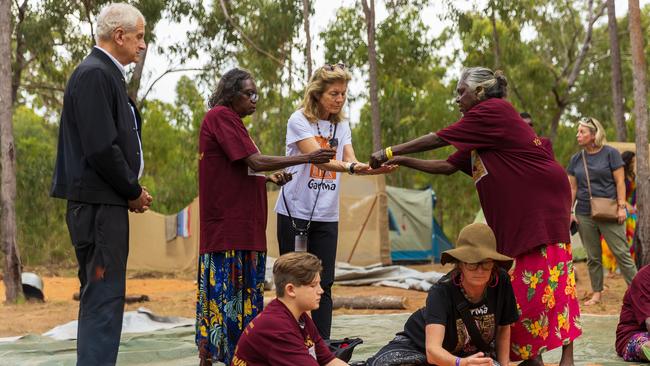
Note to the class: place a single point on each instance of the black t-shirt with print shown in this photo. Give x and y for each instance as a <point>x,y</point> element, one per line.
<point>498,307</point>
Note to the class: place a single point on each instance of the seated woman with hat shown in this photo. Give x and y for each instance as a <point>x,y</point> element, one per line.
<point>474,298</point>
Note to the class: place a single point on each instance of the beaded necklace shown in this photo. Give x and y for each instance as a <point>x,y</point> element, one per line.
<point>483,296</point>
<point>329,134</point>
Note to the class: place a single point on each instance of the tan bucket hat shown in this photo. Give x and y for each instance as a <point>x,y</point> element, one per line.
<point>476,243</point>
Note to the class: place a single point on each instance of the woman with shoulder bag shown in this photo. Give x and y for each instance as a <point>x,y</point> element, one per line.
<point>598,184</point>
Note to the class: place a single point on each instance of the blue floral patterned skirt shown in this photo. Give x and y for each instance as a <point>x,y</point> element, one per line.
<point>230,294</point>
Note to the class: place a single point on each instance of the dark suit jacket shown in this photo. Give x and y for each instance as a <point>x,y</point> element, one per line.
<point>98,155</point>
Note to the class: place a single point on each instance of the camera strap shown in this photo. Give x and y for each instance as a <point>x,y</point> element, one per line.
<point>284,199</point>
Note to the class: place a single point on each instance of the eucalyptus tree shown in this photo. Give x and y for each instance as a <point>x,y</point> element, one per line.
<point>641,119</point>
<point>617,78</point>
<point>261,36</point>
<point>413,96</point>
<point>545,47</point>
<point>12,267</point>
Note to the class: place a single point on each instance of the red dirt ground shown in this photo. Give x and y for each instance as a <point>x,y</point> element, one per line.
<point>176,296</point>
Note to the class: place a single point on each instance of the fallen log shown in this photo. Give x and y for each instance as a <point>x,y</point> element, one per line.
<point>129,299</point>
<point>370,302</point>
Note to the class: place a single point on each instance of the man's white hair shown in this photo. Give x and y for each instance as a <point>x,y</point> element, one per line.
<point>116,15</point>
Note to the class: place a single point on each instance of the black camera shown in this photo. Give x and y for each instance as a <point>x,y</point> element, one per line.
<point>574,227</point>
<point>334,142</point>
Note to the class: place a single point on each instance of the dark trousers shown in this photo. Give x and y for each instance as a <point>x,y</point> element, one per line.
<point>100,236</point>
<point>321,242</point>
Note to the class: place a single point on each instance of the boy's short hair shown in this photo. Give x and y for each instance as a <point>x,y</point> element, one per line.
<point>298,268</point>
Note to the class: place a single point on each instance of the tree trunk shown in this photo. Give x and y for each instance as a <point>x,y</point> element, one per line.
<point>555,122</point>
<point>134,84</point>
<point>305,16</point>
<point>20,50</point>
<point>495,37</point>
<point>369,11</point>
<point>569,77</point>
<point>617,79</point>
<point>12,267</point>
<point>641,117</point>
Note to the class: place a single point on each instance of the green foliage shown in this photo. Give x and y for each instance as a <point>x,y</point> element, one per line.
<point>595,99</point>
<point>413,100</point>
<point>170,146</point>
<point>42,233</point>
<point>538,44</point>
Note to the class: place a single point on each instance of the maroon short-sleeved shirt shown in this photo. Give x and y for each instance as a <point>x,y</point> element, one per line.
<point>232,197</point>
<point>275,338</point>
<point>635,309</point>
<point>524,192</point>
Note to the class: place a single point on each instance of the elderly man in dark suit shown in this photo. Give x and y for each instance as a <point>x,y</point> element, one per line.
<point>98,165</point>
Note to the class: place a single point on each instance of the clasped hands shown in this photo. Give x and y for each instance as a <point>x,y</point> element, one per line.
<point>142,203</point>
<point>379,160</point>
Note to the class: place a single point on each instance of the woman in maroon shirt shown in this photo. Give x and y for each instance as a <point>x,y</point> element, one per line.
<point>526,198</point>
<point>633,331</point>
<point>232,200</point>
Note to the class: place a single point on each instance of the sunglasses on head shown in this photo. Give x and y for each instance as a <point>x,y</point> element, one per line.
<point>589,121</point>
<point>331,67</point>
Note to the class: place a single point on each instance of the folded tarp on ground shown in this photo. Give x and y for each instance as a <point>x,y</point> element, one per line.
<point>373,275</point>
<point>390,276</point>
<point>140,321</point>
<point>176,346</point>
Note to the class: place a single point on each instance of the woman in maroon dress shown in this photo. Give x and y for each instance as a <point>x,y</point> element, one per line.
<point>526,198</point>
<point>232,200</point>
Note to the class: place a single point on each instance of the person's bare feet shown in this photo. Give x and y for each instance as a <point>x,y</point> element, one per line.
<point>595,299</point>
<point>567,355</point>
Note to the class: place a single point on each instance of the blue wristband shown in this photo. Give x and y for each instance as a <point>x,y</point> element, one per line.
<point>457,361</point>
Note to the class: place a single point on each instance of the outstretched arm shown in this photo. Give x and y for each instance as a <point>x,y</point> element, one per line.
<point>427,142</point>
<point>259,162</point>
<point>427,166</point>
<point>309,145</point>
<point>423,143</point>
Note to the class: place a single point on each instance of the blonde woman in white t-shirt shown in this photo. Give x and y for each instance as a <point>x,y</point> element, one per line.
<point>308,207</point>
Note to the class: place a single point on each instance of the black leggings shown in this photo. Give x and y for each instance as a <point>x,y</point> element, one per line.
<point>321,242</point>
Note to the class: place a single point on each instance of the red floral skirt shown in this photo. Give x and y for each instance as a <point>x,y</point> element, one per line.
<point>545,288</point>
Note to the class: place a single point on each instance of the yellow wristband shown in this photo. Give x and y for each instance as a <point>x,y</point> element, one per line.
<point>389,153</point>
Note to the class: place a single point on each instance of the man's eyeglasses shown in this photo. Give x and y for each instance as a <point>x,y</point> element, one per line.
<point>486,265</point>
<point>331,67</point>
<point>253,96</point>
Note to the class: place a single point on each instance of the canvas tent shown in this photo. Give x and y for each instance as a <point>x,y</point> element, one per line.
<point>363,230</point>
<point>414,233</point>
<point>150,249</point>
<point>363,224</point>
<point>623,146</point>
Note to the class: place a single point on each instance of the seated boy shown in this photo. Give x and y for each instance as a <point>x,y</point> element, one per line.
<point>283,334</point>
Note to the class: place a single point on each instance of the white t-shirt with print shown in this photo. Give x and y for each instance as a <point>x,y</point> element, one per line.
<point>301,191</point>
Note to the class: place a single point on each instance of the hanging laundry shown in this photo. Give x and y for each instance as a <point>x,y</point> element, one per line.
<point>183,220</point>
